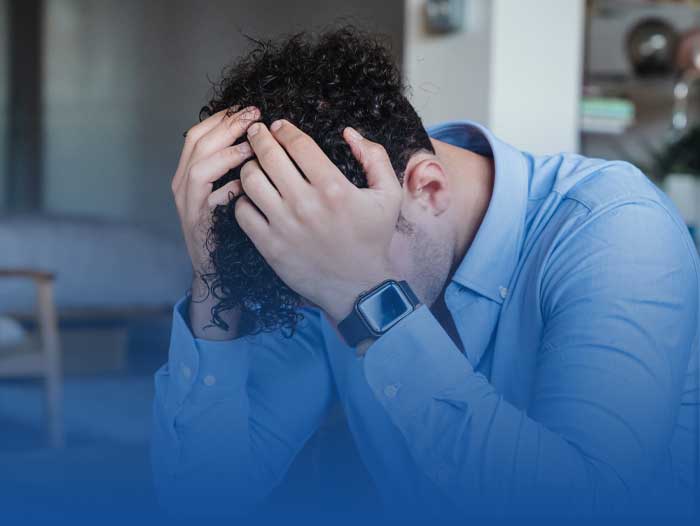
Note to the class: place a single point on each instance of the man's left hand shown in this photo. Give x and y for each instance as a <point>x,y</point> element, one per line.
<point>325,238</point>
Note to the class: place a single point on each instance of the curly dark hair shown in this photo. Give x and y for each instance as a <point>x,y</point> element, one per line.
<point>321,83</point>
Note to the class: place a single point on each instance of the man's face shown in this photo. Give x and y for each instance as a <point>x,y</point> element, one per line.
<point>422,249</point>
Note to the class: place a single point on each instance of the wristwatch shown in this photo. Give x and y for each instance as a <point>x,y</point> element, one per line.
<point>378,310</point>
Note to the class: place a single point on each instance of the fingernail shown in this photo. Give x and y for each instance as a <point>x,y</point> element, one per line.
<point>255,128</point>
<point>251,113</point>
<point>276,125</point>
<point>244,148</point>
<point>353,135</point>
<point>249,109</point>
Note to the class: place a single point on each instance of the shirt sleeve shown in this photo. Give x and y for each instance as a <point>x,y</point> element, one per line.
<point>230,416</point>
<point>619,301</point>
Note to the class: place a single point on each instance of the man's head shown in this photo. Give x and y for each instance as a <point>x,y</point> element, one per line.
<point>323,84</point>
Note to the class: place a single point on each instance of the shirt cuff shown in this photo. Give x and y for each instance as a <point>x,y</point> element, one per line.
<point>203,369</point>
<point>413,364</point>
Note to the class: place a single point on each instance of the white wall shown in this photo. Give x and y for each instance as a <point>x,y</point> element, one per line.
<point>516,67</point>
<point>536,69</point>
<point>448,74</point>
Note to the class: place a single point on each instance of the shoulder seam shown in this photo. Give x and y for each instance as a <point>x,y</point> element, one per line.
<point>609,166</point>
<point>565,197</point>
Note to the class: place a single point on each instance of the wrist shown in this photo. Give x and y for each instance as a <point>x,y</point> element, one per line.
<point>199,291</point>
<point>345,303</point>
<point>376,311</point>
<point>200,315</point>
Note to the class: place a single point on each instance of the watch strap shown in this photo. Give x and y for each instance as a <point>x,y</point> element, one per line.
<point>354,328</point>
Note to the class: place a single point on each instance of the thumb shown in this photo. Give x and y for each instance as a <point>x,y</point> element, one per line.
<point>373,159</point>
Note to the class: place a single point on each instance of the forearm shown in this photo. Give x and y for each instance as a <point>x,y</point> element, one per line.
<point>202,458</point>
<point>229,417</point>
<point>201,436</point>
<point>561,456</point>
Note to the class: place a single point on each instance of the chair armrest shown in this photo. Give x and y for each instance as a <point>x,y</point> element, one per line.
<point>36,275</point>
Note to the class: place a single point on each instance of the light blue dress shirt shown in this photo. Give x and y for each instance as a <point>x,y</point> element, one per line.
<point>577,392</point>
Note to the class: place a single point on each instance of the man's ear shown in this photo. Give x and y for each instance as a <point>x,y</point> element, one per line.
<point>425,182</point>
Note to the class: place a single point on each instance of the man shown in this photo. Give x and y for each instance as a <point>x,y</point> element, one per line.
<point>506,333</point>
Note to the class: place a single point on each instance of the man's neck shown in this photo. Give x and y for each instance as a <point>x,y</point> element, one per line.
<point>471,182</point>
<point>471,179</point>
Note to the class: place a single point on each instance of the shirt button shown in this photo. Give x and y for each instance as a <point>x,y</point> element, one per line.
<point>186,372</point>
<point>209,380</point>
<point>391,390</point>
<point>503,291</point>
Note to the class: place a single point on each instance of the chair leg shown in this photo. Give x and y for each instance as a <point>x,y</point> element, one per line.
<point>54,405</point>
<point>53,374</point>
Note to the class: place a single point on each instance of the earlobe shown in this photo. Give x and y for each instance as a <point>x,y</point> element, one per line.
<point>425,181</point>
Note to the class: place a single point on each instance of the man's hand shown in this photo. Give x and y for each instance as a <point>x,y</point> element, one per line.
<point>324,237</point>
<point>206,156</point>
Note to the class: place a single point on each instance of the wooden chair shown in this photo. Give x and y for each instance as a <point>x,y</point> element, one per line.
<point>39,355</point>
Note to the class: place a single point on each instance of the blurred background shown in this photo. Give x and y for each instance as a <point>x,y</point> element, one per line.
<point>94,97</point>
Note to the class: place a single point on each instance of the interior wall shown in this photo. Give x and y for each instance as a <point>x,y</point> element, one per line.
<point>123,80</point>
<point>449,74</point>
<point>515,67</point>
<point>536,72</point>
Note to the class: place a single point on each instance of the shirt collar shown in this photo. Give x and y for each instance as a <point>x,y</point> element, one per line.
<point>490,262</point>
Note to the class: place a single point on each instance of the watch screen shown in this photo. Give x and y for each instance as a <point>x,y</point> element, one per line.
<point>385,307</point>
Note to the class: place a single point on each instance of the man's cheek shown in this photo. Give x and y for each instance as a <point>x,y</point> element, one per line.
<point>400,254</point>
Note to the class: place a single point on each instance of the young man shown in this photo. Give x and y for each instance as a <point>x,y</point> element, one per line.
<point>506,333</point>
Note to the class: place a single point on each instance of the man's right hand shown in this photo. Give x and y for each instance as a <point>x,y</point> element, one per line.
<point>208,155</point>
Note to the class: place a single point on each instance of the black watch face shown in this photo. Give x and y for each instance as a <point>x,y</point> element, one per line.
<point>385,307</point>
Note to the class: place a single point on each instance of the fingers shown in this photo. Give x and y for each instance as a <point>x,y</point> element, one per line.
<point>275,161</point>
<point>191,138</point>
<point>312,161</point>
<point>203,173</point>
<point>224,194</point>
<point>374,161</point>
<point>260,190</point>
<point>225,133</point>
<point>252,222</point>
<point>216,165</point>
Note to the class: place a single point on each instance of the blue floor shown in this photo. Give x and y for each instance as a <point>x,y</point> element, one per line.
<point>103,475</point>
<point>104,470</point>
<point>105,464</point>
